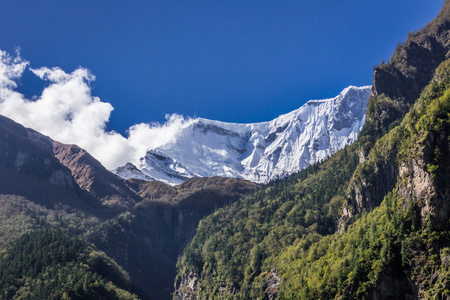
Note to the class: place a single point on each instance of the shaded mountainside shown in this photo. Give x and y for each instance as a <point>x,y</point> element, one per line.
<point>398,83</point>
<point>395,89</point>
<point>147,239</point>
<point>29,169</point>
<point>141,225</point>
<point>93,178</point>
<point>371,222</point>
<point>397,248</point>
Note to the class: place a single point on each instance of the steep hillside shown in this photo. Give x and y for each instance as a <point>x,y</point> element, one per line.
<point>398,83</point>
<point>371,222</point>
<point>147,239</point>
<point>141,225</point>
<point>93,178</point>
<point>29,169</point>
<point>415,62</point>
<point>401,248</point>
<point>259,152</point>
<point>49,264</point>
<point>235,247</point>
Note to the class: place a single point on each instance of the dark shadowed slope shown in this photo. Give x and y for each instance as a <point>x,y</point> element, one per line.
<point>142,225</point>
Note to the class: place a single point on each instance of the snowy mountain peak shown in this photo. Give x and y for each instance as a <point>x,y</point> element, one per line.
<point>258,152</point>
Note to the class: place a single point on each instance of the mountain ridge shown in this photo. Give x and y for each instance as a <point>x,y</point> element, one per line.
<point>44,183</point>
<point>371,222</point>
<point>258,152</point>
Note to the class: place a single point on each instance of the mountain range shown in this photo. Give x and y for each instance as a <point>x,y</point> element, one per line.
<point>370,222</point>
<point>359,209</point>
<point>259,152</point>
<point>47,184</point>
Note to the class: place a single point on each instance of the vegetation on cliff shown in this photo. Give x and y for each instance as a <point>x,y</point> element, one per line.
<point>398,240</point>
<point>370,222</point>
<point>240,241</point>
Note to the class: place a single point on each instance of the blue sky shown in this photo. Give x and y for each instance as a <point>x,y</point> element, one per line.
<point>236,61</point>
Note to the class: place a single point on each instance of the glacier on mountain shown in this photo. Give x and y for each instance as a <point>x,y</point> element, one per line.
<point>258,152</point>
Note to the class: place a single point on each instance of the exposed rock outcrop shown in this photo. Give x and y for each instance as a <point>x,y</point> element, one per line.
<point>188,287</point>
<point>273,284</point>
<point>430,192</point>
<point>397,84</point>
<point>93,178</point>
<point>397,286</point>
<point>20,153</point>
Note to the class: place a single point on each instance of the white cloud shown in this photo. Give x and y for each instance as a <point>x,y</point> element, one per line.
<point>10,69</point>
<point>68,112</point>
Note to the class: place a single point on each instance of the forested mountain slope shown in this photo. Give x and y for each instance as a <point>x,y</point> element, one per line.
<point>142,225</point>
<point>371,222</point>
<point>49,264</point>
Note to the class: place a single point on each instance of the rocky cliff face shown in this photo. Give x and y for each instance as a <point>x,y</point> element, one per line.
<point>93,178</point>
<point>412,161</point>
<point>187,288</point>
<point>429,190</point>
<point>426,193</point>
<point>397,84</point>
<point>380,170</point>
<point>28,168</point>
<point>21,154</point>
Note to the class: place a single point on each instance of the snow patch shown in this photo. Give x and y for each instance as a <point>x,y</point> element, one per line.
<point>259,152</point>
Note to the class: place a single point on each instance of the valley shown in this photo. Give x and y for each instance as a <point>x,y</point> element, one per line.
<point>343,198</point>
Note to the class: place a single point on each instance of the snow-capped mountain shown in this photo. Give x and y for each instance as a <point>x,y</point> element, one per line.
<point>259,152</point>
